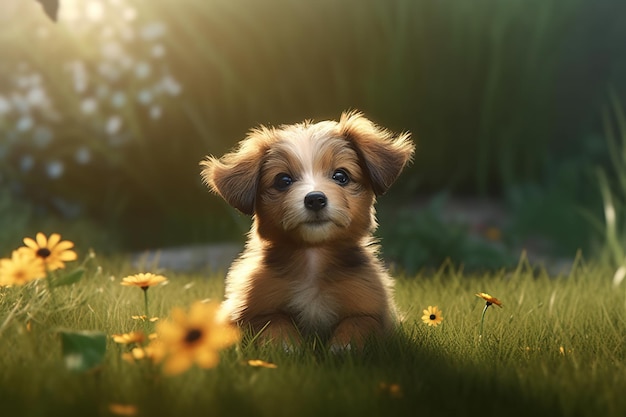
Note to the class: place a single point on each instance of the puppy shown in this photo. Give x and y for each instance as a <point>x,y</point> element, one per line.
<point>310,264</point>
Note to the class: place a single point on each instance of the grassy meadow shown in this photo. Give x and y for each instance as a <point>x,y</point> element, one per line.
<point>105,114</point>
<point>555,348</point>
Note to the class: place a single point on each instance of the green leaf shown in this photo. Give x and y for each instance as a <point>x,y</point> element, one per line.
<point>69,278</point>
<point>82,350</point>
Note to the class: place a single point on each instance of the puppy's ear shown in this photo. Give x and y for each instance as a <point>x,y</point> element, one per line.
<point>235,176</point>
<point>384,154</point>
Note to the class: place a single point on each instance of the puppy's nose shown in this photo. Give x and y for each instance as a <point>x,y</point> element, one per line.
<point>315,200</point>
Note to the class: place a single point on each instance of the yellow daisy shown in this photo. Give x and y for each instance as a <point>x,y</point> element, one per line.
<point>153,352</point>
<point>143,281</point>
<point>432,316</point>
<point>489,299</point>
<point>259,363</point>
<point>194,337</point>
<point>127,338</point>
<point>21,268</point>
<point>52,250</point>
<point>143,317</point>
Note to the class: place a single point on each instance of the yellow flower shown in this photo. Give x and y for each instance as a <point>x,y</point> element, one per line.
<point>195,337</point>
<point>143,281</point>
<point>21,268</point>
<point>143,317</point>
<point>127,338</point>
<point>258,363</point>
<point>432,316</point>
<point>52,250</point>
<point>489,299</point>
<point>153,351</point>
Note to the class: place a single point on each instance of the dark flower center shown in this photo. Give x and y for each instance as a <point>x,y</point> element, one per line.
<point>43,252</point>
<point>192,336</point>
<point>433,317</point>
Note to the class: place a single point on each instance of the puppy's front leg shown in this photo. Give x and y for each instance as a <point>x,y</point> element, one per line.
<point>354,331</point>
<point>275,328</point>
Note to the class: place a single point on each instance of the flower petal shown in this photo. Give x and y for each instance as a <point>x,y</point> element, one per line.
<point>31,243</point>
<point>53,240</point>
<point>42,242</point>
<point>62,246</point>
<point>176,364</point>
<point>207,358</point>
<point>68,255</point>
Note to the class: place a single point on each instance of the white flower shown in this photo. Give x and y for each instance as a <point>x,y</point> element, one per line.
<point>118,99</point>
<point>82,155</point>
<point>142,70</point>
<point>170,85</point>
<point>113,125</point>
<point>20,103</point>
<point>158,50</point>
<point>79,75</point>
<point>152,31</point>
<point>37,97</point>
<point>144,96</point>
<point>55,169</point>
<point>5,106</point>
<point>24,123</point>
<point>155,112</point>
<point>112,50</point>
<point>89,105</point>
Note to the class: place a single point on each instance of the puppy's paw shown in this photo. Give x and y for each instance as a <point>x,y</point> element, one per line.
<point>280,330</point>
<point>353,332</point>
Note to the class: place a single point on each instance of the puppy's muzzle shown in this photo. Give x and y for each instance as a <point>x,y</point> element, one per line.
<point>315,200</point>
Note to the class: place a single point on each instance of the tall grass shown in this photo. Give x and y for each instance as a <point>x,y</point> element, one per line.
<point>489,90</point>
<point>476,82</point>
<point>612,186</point>
<point>556,348</point>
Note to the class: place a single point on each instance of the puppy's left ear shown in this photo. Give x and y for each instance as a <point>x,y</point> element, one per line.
<point>384,154</point>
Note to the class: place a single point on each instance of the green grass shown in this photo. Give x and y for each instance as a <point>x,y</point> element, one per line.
<point>516,368</point>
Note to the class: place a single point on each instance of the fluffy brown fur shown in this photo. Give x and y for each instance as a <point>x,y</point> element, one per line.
<point>310,265</point>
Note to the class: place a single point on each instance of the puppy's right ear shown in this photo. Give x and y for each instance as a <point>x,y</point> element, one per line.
<point>235,176</point>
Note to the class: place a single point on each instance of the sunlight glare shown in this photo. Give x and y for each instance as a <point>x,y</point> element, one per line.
<point>92,11</point>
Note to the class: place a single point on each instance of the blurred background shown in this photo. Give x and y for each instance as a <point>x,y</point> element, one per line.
<point>516,108</point>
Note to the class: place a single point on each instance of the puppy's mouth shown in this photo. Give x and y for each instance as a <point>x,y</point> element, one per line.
<point>317,222</point>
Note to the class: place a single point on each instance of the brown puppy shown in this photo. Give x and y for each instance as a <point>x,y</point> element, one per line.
<point>310,265</point>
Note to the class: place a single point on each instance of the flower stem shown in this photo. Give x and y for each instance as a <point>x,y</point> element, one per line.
<point>145,300</point>
<point>482,321</point>
<point>50,285</point>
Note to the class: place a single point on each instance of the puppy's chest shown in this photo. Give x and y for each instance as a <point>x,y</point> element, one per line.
<point>312,299</point>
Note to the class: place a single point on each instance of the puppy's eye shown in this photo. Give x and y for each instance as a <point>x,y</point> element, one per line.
<point>341,177</point>
<point>282,181</point>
